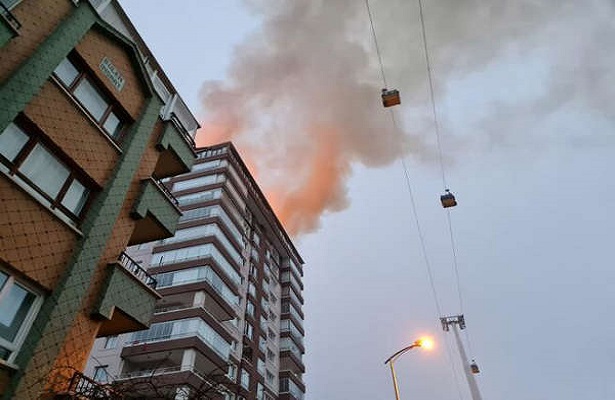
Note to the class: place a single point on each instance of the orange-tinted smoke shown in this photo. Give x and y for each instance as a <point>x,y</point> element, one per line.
<point>301,103</point>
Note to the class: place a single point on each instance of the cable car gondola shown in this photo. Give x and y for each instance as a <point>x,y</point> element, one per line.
<point>448,200</point>
<point>390,97</point>
<point>474,367</point>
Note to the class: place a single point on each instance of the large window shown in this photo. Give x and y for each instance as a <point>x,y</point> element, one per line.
<point>34,166</point>
<point>18,307</point>
<point>83,87</point>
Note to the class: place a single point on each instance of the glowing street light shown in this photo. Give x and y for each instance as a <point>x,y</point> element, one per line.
<point>425,343</point>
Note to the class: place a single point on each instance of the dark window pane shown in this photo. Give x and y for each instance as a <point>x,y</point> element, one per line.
<point>14,307</point>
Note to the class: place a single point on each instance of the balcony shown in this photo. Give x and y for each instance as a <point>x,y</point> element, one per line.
<point>207,291</point>
<point>127,299</point>
<point>82,387</point>
<point>288,293</point>
<point>291,360</point>
<point>156,212</point>
<point>164,342</point>
<point>149,382</point>
<point>289,390</point>
<point>177,150</point>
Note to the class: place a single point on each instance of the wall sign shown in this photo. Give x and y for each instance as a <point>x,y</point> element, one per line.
<point>111,72</point>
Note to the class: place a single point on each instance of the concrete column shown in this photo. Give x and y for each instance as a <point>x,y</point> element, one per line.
<point>199,299</point>
<point>188,359</point>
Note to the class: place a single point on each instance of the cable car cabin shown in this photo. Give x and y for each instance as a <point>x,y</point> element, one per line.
<point>474,367</point>
<point>448,200</point>
<point>390,97</point>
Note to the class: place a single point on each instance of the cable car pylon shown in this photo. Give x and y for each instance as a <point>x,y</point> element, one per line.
<point>458,323</point>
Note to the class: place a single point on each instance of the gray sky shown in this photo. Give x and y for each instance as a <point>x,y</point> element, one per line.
<point>525,97</point>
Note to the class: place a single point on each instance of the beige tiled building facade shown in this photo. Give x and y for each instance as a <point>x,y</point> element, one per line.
<point>89,124</point>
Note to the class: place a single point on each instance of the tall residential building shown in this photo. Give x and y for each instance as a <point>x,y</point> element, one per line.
<point>229,321</point>
<point>89,124</point>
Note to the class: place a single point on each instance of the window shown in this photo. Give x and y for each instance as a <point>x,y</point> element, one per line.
<point>111,342</point>
<point>34,166</point>
<point>252,289</point>
<point>270,378</point>
<point>245,379</point>
<point>248,330</point>
<point>83,88</point>
<point>250,308</point>
<point>100,374</point>
<point>260,391</point>
<point>18,307</point>
<point>232,372</point>
<point>9,4</point>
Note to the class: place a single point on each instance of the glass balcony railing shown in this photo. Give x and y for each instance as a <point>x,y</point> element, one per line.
<point>287,325</point>
<point>288,345</point>
<point>181,329</point>
<point>288,386</point>
<point>202,231</point>
<point>197,252</point>
<point>198,274</point>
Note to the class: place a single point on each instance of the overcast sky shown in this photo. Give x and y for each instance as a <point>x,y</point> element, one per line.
<point>525,95</point>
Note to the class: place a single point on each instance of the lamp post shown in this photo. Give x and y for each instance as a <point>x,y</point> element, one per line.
<point>426,343</point>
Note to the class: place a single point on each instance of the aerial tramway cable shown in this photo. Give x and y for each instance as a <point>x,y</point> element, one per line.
<point>413,203</point>
<point>441,160</point>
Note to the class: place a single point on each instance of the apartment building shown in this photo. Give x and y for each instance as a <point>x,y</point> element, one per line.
<point>89,124</point>
<point>229,324</point>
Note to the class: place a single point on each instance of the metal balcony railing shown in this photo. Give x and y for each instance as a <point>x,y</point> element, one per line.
<point>167,192</point>
<point>134,268</point>
<point>180,127</point>
<point>82,387</point>
<point>9,17</point>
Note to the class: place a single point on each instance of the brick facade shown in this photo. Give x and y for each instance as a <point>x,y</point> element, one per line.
<point>73,267</point>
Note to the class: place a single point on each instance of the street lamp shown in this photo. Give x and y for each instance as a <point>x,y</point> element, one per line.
<point>425,343</point>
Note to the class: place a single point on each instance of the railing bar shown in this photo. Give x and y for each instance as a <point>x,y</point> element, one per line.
<point>10,17</point>
<point>134,268</point>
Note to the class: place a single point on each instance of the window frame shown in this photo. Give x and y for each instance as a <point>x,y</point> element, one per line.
<point>113,105</point>
<point>111,342</point>
<point>37,138</point>
<point>14,346</point>
<point>104,369</point>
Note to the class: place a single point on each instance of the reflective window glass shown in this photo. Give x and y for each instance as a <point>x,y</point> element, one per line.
<point>44,170</point>
<point>12,141</point>
<point>66,72</point>
<point>89,97</point>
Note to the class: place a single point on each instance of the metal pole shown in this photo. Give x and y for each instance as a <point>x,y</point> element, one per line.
<point>394,379</point>
<point>466,366</point>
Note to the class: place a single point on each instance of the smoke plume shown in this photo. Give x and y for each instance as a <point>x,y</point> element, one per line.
<point>302,96</point>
